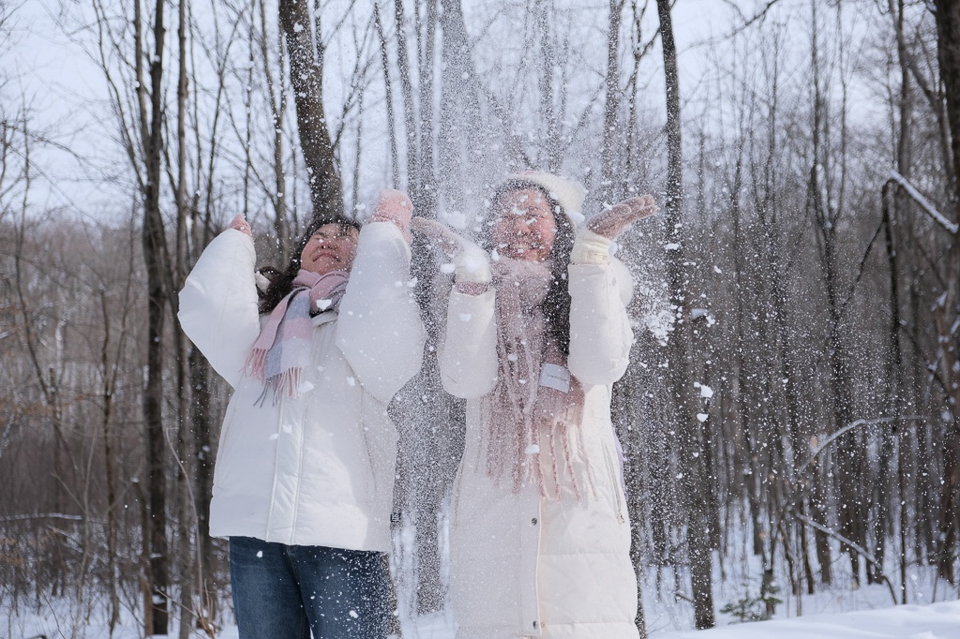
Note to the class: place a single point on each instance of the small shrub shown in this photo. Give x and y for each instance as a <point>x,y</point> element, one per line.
<point>754,608</point>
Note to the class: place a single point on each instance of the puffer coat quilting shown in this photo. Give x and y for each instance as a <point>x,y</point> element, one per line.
<point>317,469</point>
<point>522,564</point>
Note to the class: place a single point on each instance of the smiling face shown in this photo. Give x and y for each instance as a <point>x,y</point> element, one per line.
<point>524,228</point>
<point>331,248</point>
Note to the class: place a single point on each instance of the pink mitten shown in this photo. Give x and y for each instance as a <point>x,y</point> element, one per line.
<point>394,206</point>
<point>241,225</point>
<point>611,223</point>
<point>592,244</point>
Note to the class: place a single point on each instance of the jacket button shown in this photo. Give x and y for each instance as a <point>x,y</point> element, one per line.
<point>534,522</point>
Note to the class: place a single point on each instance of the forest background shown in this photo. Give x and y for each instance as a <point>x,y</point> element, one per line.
<point>795,383</point>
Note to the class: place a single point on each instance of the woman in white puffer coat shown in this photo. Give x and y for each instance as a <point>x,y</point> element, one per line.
<point>540,538</point>
<point>303,482</point>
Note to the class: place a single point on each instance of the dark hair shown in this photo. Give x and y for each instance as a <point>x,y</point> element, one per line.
<point>556,305</point>
<point>281,280</point>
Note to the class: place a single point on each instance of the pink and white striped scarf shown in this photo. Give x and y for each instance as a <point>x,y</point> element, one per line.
<point>534,431</point>
<point>282,350</point>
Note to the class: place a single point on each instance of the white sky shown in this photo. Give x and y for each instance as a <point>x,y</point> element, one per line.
<point>64,89</point>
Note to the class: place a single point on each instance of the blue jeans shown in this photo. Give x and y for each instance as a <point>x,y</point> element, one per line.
<point>284,592</point>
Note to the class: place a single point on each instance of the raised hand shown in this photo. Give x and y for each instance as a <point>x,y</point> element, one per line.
<point>394,206</point>
<point>612,222</point>
<point>440,235</point>
<point>241,225</point>
<point>469,260</point>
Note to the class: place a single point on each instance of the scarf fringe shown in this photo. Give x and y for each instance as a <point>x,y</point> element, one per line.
<point>286,383</point>
<point>255,363</point>
<point>566,443</point>
<point>542,467</point>
<point>520,414</point>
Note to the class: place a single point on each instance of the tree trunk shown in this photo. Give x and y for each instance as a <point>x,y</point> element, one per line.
<point>848,466</point>
<point>434,430</point>
<point>409,115</point>
<point>388,88</point>
<point>109,377</point>
<point>305,50</point>
<point>277,95</point>
<point>185,443</point>
<point>611,110</point>
<point>895,364</point>
<point>460,119</point>
<point>426,190</point>
<point>948,47</point>
<point>694,481</point>
<point>201,419</point>
<point>423,427</point>
<point>154,254</point>
<point>948,310</point>
<point>550,147</point>
<point>895,390</point>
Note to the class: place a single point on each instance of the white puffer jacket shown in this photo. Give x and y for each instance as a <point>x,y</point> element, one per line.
<point>317,469</point>
<point>522,565</point>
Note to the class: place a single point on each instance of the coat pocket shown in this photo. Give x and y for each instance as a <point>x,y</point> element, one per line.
<point>615,484</point>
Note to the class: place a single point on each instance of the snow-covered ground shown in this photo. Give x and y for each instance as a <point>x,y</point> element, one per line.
<point>839,611</point>
<point>876,618</point>
<point>935,621</point>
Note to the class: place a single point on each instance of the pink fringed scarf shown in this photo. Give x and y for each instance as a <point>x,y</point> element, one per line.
<point>283,348</point>
<point>520,413</point>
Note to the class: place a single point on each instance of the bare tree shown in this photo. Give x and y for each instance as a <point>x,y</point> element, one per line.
<point>391,121</point>
<point>611,110</point>
<point>948,306</point>
<point>680,383</point>
<point>301,24</point>
<point>155,256</point>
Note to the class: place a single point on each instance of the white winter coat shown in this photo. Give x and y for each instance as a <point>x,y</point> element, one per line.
<point>317,469</point>
<point>522,565</point>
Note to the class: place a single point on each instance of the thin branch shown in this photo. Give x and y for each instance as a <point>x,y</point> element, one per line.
<point>862,551</point>
<point>950,227</point>
<point>842,431</point>
<point>760,15</point>
<point>860,269</point>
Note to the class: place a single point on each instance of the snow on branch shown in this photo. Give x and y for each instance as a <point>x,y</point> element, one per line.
<point>815,452</point>
<point>922,201</point>
<point>30,516</point>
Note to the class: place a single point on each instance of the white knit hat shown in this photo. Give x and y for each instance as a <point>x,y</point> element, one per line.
<point>568,193</point>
